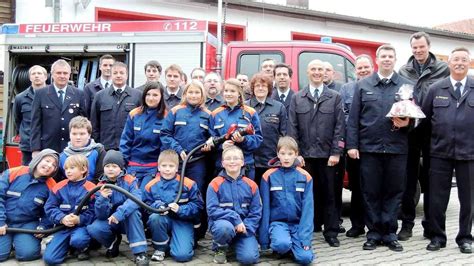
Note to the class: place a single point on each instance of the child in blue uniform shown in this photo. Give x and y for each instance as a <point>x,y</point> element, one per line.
<point>185,127</point>
<point>60,207</point>
<point>23,192</point>
<point>140,141</point>
<point>234,208</point>
<point>234,111</point>
<point>287,196</point>
<point>80,130</point>
<point>116,213</point>
<point>174,229</point>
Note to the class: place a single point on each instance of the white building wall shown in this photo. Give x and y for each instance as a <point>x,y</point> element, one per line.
<point>260,26</point>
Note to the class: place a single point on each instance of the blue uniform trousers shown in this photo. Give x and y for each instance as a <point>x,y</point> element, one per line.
<point>197,172</point>
<point>27,247</point>
<point>132,226</point>
<point>182,236</point>
<point>57,249</point>
<point>246,246</point>
<point>142,174</point>
<point>284,237</point>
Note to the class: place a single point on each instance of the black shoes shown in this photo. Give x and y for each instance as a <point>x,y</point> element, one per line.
<point>333,241</point>
<point>394,246</point>
<point>371,244</point>
<point>113,251</point>
<point>342,230</point>
<point>465,248</point>
<point>355,232</point>
<point>405,234</point>
<point>435,245</point>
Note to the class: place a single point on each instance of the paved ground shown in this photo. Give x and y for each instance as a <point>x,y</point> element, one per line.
<point>349,253</point>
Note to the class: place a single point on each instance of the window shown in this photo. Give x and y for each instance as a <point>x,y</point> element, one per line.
<point>344,68</point>
<point>249,63</point>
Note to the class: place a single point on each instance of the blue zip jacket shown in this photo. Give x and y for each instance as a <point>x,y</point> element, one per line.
<point>223,117</point>
<point>184,128</point>
<point>64,199</point>
<point>287,196</point>
<point>234,200</point>
<point>140,141</point>
<point>117,204</point>
<point>159,192</point>
<point>22,197</point>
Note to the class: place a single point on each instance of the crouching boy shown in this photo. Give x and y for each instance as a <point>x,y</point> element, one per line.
<point>287,196</point>
<point>60,207</point>
<point>117,214</point>
<point>173,230</point>
<point>234,209</point>
<point>23,192</point>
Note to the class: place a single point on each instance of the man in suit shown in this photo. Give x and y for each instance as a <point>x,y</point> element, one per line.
<point>111,107</point>
<point>329,75</point>
<point>152,73</point>
<point>316,122</point>
<point>53,107</point>
<point>103,82</point>
<point>381,144</point>
<point>283,92</point>
<point>449,110</point>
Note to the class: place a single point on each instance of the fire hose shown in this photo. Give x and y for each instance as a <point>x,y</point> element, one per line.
<point>249,130</point>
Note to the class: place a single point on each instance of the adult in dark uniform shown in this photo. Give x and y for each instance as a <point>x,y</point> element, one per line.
<point>283,92</point>
<point>111,107</point>
<point>22,110</point>
<point>423,69</point>
<point>245,84</point>
<point>213,87</point>
<point>53,107</point>
<point>329,75</point>
<point>273,119</point>
<point>173,91</point>
<point>364,67</point>
<point>103,82</point>
<point>152,73</point>
<point>316,122</point>
<point>382,146</point>
<point>449,110</point>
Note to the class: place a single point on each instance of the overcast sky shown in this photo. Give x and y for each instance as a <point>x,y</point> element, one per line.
<point>411,12</point>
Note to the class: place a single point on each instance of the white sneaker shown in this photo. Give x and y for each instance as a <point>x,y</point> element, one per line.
<point>158,256</point>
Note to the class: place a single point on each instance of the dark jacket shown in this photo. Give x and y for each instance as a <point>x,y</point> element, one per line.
<point>213,104</point>
<point>434,71</point>
<point>173,100</point>
<point>451,122</point>
<point>109,113</point>
<point>317,126</point>
<point>347,94</point>
<point>276,96</point>
<point>334,85</point>
<point>368,128</point>
<point>273,120</point>
<point>22,113</point>
<point>50,122</point>
<point>90,90</point>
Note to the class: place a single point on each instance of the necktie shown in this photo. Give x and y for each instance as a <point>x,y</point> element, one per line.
<point>316,94</point>
<point>385,81</point>
<point>457,90</point>
<point>282,98</point>
<point>119,92</point>
<point>106,85</point>
<point>60,96</point>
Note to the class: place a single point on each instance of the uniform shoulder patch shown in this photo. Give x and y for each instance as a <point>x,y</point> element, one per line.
<point>218,110</point>
<point>248,109</point>
<point>88,185</point>
<point>152,182</point>
<point>267,173</point>
<point>305,173</point>
<point>187,181</point>
<point>177,107</point>
<point>136,111</point>
<point>129,179</point>
<point>60,185</point>
<point>50,183</point>
<point>251,184</point>
<point>216,183</point>
<point>17,171</point>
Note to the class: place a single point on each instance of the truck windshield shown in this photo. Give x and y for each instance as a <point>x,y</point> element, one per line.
<point>249,64</point>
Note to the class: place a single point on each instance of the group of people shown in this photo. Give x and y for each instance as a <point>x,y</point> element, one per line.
<point>262,193</point>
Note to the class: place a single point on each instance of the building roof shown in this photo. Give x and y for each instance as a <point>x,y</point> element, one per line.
<point>303,13</point>
<point>464,26</point>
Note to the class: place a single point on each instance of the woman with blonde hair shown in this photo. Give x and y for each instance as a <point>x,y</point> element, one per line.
<point>235,111</point>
